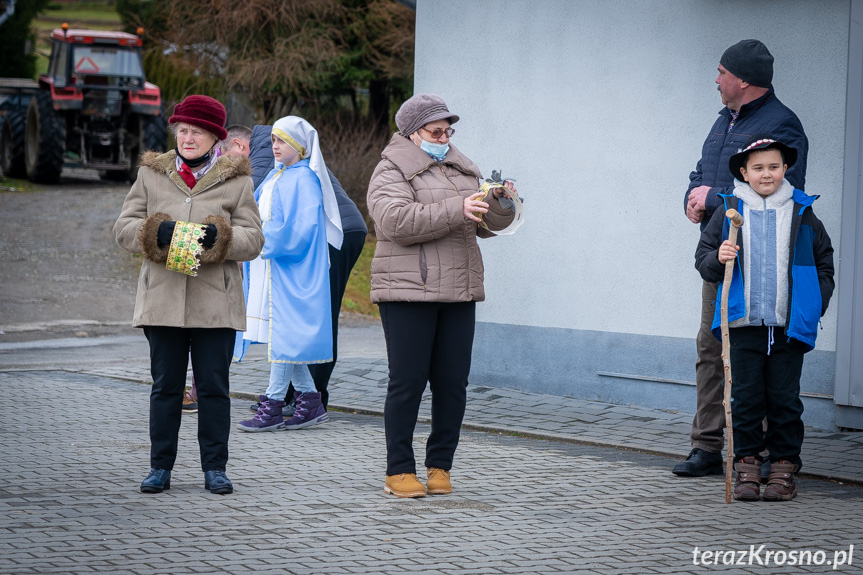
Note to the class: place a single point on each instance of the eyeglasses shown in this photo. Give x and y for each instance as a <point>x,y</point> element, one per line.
<point>438,132</point>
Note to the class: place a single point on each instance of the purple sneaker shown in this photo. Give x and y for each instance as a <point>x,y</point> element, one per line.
<point>268,418</point>
<point>310,411</point>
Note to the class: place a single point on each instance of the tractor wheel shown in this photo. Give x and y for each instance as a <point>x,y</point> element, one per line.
<point>12,145</point>
<point>44,140</point>
<point>152,135</point>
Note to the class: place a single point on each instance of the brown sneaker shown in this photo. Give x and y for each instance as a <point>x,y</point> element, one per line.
<point>748,484</point>
<point>780,484</point>
<point>404,485</point>
<point>437,481</point>
<point>190,404</point>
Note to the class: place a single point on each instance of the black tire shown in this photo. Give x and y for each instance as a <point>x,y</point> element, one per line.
<point>44,140</point>
<point>152,135</point>
<point>12,145</point>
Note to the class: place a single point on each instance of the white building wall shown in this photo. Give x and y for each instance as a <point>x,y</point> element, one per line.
<point>599,108</point>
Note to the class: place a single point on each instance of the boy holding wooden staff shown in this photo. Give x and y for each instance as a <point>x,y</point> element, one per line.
<point>780,288</point>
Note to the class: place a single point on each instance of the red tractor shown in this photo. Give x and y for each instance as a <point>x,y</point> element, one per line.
<point>93,109</point>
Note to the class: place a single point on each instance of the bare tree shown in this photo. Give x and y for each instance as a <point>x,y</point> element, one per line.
<point>283,52</point>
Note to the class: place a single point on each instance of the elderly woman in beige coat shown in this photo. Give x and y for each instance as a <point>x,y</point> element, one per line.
<point>427,276</point>
<point>186,311</point>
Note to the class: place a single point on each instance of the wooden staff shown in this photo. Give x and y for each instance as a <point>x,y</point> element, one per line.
<point>736,223</point>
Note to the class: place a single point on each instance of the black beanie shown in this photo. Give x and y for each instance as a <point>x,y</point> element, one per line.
<point>751,61</point>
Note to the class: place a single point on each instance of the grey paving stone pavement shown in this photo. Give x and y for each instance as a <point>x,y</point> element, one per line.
<point>359,385</point>
<point>74,447</point>
<point>543,484</point>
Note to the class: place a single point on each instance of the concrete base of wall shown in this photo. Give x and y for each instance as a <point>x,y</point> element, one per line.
<point>627,369</point>
<point>849,417</point>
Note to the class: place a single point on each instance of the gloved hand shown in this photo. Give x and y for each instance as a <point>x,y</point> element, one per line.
<point>209,236</point>
<point>166,232</point>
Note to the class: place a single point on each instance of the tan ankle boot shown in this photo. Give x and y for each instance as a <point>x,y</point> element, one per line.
<point>437,481</point>
<point>404,485</point>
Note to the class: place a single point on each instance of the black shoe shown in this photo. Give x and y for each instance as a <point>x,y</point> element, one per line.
<point>699,463</point>
<point>254,407</point>
<point>217,482</point>
<point>287,411</point>
<point>157,481</point>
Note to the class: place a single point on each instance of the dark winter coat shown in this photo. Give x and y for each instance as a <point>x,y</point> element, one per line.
<point>765,115</point>
<point>810,268</point>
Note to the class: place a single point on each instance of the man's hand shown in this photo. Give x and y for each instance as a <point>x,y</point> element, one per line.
<point>695,208</point>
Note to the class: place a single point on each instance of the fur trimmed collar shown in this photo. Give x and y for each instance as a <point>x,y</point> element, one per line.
<point>226,168</point>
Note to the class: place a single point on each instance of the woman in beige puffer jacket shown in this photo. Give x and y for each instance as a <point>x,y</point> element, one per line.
<point>427,275</point>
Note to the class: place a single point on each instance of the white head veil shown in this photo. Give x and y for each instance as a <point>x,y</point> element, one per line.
<point>303,137</point>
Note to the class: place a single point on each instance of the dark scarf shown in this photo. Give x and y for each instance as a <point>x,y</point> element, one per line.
<point>187,165</point>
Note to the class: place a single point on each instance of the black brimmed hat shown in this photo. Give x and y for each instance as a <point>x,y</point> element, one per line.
<point>759,142</point>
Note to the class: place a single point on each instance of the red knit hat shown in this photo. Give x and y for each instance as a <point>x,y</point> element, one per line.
<point>204,112</point>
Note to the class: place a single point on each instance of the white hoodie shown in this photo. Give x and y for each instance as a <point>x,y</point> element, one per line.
<point>766,239</point>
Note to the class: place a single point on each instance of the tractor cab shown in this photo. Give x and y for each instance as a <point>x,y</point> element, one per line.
<point>93,109</point>
<point>95,71</point>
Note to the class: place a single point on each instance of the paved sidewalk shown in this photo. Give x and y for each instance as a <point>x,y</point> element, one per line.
<point>359,383</point>
<point>74,448</point>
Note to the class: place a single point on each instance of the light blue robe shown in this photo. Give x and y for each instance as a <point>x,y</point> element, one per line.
<point>295,242</point>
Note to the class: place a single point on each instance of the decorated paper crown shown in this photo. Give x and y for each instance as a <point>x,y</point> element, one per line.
<point>184,254</point>
<point>497,181</point>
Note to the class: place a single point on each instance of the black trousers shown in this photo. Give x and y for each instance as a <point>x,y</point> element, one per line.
<point>766,385</point>
<point>341,263</point>
<point>426,342</point>
<point>211,351</point>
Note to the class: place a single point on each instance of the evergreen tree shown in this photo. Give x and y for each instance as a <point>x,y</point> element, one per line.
<point>17,40</point>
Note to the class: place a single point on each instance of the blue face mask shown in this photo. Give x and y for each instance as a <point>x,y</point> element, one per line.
<point>436,151</point>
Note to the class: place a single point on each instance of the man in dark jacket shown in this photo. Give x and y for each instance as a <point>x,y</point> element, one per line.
<point>255,144</point>
<point>751,107</point>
